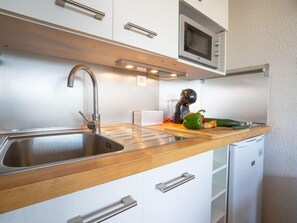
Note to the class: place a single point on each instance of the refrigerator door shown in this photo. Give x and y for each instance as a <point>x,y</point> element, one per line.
<point>245,181</point>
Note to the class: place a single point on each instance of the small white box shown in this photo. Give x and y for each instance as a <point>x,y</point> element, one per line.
<point>144,118</point>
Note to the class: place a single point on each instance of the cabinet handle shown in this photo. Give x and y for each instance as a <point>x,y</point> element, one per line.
<point>164,187</point>
<point>98,216</point>
<point>98,14</point>
<point>147,32</point>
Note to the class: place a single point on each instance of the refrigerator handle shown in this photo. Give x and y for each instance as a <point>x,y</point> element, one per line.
<point>250,140</point>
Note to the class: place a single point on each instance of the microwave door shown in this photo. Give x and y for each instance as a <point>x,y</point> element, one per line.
<point>196,42</point>
<point>198,45</point>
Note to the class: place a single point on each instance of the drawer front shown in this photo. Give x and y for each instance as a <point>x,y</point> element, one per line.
<point>70,16</point>
<point>184,199</point>
<point>97,201</point>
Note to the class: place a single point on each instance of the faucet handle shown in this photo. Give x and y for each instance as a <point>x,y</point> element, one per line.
<point>91,125</point>
<point>82,114</point>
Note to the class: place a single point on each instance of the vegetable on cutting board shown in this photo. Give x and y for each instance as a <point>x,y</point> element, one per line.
<point>209,125</point>
<point>223,122</point>
<point>193,120</point>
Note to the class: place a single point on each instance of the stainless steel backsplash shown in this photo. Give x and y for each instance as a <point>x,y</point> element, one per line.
<point>33,93</point>
<point>242,97</point>
<point>169,94</point>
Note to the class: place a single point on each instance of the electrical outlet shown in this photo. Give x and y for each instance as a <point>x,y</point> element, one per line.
<point>141,81</point>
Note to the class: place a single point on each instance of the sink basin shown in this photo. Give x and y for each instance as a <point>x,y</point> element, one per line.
<point>30,151</point>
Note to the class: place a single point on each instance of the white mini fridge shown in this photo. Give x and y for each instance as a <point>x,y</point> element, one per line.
<point>245,181</point>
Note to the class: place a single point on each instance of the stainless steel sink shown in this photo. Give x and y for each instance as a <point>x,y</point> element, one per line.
<point>19,152</point>
<point>30,151</point>
<point>33,151</point>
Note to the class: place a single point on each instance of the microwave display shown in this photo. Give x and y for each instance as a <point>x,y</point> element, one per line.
<point>197,42</point>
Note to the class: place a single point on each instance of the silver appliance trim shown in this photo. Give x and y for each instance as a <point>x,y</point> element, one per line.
<point>263,69</point>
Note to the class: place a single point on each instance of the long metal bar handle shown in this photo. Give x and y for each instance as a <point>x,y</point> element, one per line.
<point>127,202</point>
<point>165,187</point>
<point>98,14</point>
<point>149,33</point>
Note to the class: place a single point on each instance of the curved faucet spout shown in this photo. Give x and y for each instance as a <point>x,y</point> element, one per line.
<point>70,83</point>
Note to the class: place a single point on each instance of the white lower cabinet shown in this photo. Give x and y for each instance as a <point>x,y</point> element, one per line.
<point>175,193</point>
<point>188,202</point>
<point>96,202</point>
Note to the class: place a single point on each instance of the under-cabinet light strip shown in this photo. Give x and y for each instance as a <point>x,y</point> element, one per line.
<point>152,71</point>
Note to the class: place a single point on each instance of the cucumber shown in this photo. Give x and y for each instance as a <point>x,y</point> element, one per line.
<point>223,122</point>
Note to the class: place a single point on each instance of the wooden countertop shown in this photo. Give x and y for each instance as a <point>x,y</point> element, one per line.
<point>29,187</point>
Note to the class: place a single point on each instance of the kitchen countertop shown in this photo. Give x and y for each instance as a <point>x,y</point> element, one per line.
<point>29,187</point>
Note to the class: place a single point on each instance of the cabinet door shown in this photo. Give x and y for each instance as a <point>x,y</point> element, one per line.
<point>160,17</point>
<point>69,16</point>
<point>103,199</point>
<point>189,202</point>
<point>216,10</point>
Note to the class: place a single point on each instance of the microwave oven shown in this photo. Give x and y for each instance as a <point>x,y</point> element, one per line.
<point>198,44</point>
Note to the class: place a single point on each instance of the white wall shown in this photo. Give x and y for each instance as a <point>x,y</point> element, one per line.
<point>266,32</point>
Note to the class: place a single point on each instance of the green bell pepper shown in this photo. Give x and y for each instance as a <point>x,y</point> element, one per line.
<point>193,120</point>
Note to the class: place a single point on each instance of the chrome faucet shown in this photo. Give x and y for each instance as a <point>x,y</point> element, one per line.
<point>94,125</point>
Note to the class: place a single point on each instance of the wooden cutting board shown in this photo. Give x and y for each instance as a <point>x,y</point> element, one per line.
<point>214,133</point>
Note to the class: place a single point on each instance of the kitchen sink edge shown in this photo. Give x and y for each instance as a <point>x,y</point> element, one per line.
<point>31,150</point>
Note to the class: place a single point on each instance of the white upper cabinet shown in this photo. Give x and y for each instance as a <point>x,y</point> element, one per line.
<point>143,31</point>
<point>216,10</point>
<point>80,17</point>
<point>151,25</point>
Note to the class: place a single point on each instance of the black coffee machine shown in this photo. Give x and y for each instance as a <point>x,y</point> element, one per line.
<point>187,97</point>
